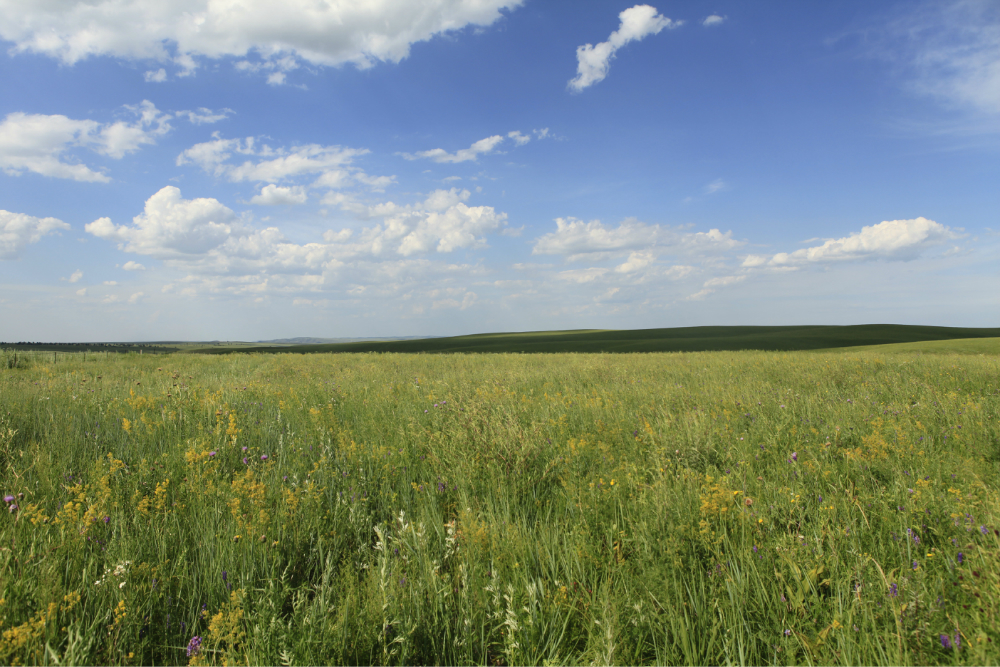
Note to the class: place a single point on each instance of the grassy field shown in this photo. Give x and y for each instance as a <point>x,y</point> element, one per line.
<point>678,339</point>
<point>697,508</point>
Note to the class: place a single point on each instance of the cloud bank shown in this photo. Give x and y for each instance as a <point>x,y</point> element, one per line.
<point>320,32</point>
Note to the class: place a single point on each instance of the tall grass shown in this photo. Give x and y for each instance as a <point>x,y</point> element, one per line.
<point>763,508</point>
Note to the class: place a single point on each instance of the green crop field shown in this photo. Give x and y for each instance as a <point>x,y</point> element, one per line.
<point>686,508</point>
<point>677,339</point>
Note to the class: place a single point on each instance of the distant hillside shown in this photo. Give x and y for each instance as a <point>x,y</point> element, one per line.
<point>326,341</point>
<point>681,339</point>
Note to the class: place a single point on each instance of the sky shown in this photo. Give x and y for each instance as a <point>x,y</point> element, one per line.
<point>221,170</point>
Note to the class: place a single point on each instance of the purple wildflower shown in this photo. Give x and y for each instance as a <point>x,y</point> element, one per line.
<point>958,641</point>
<point>795,455</point>
<point>8,499</point>
<point>12,508</point>
<point>945,641</point>
<point>245,461</point>
<point>263,457</point>
<point>788,633</point>
<point>915,565</point>
<point>755,548</point>
<point>106,519</point>
<point>194,646</point>
<point>984,530</point>
<point>961,557</point>
<point>211,453</point>
<point>893,589</point>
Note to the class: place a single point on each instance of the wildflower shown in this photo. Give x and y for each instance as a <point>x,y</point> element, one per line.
<point>211,453</point>
<point>194,646</point>
<point>8,499</point>
<point>916,565</point>
<point>945,641</point>
<point>107,519</point>
<point>795,455</point>
<point>245,461</point>
<point>961,557</point>
<point>755,548</point>
<point>893,589</point>
<point>788,633</point>
<point>958,641</point>
<point>263,457</point>
<point>12,509</point>
<point>244,448</point>
<point>983,530</point>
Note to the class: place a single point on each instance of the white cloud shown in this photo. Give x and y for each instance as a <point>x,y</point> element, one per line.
<point>478,148</point>
<point>171,226</point>
<point>17,230</point>
<point>950,51</point>
<point>133,266</point>
<point>205,238</point>
<point>110,283</point>
<point>182,31</point>
<point>135,297</point>
<point>272,195</point>
<point>82,292</point>
<point>582,275</point>
<point>890,239</point>
<point>519,139</point>
<point>276,164</point>
<point>276,78</point>
<point>75,278</point>
<point>158,76</point>
<point>40,143</point>
<point>713,20</point>
<point>593,62</point>
<point>635,262</point>
<point>578,239</point>
<point>715,186</point>
<point>204,116</point>
<point>542,133</point>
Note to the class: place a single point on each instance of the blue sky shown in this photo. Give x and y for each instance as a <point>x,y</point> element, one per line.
<point>196,171</point>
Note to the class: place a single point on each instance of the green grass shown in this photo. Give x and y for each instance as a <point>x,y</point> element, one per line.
<point>956,346</point>
<point>698,508</point>
<point>681,339</point>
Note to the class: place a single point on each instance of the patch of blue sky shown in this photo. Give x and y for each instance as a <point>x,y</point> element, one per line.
<point>290,170</point>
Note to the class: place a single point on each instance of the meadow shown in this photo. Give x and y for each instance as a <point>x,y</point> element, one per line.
<point>697,508</point>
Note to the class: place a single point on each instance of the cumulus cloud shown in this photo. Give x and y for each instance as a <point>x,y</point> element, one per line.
<point>577,239</point>
<point>205,238</point>
<point>635,262</point>
<point>273,195</point>
<point>260,162</point>
<point>171,226</point>
<point>593,62</point>
<point>478,148</point>
<point>890,239</point>
<point>157,76</point>
<point>18,230</point>
<point>75,277</point>
<point>519,139</point>
<point>713,20</point>
<point>204,116</point>
<point>42,143</point>
<point>133,266</point>
<point>182,31</point>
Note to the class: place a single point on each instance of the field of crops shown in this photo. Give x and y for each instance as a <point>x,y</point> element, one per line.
<point>696,508</point>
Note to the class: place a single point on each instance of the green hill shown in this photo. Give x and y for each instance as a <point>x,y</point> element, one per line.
<point>681,339</point>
